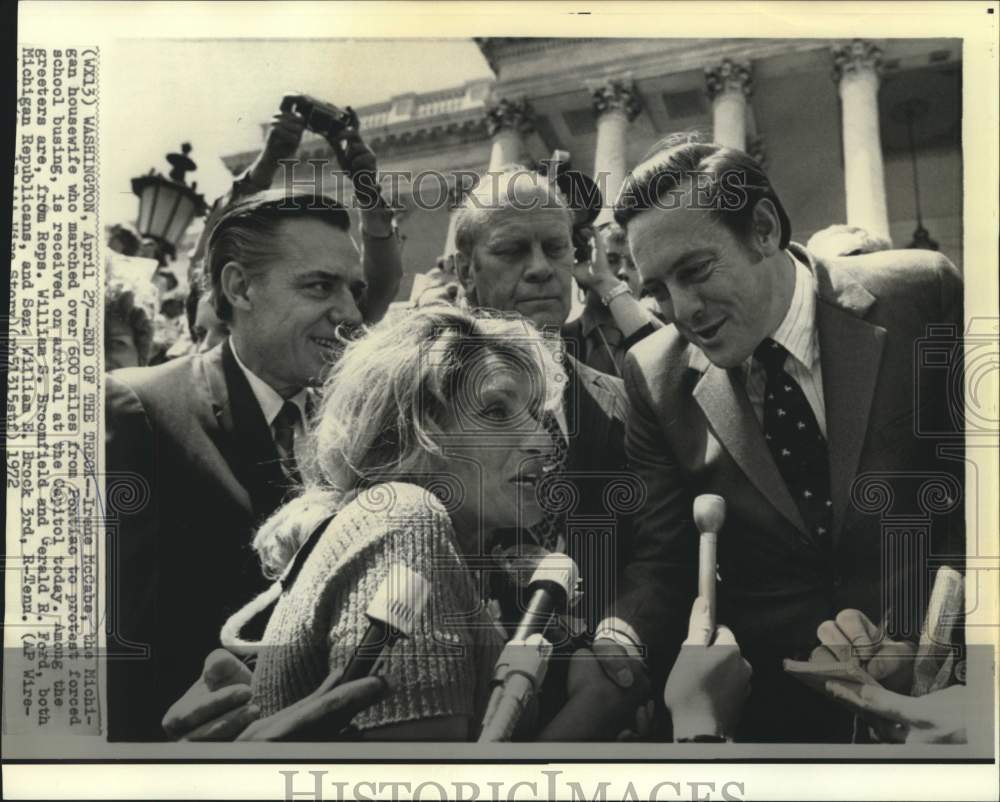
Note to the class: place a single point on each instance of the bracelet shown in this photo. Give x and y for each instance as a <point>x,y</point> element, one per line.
<point>619,289</point>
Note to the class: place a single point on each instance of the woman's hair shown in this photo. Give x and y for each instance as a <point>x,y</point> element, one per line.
<point>385,405</point>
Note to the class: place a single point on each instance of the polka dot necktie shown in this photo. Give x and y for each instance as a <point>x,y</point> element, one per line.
<point>284,438</point>
<point>796,442</point>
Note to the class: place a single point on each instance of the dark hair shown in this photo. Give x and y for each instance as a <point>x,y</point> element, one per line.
<point>613,233</point>
<point>247,232</point>
<point>191,302</point>
<point>724,181</point>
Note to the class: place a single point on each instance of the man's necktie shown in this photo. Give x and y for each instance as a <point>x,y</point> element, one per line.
<point>796,442</point>
<point>284,438</point>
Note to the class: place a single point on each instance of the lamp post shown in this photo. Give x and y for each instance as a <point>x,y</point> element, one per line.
<point>167,205</point>
<point>909,112</point>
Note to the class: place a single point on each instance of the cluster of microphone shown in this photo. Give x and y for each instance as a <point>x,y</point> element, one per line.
<point>520,670</point>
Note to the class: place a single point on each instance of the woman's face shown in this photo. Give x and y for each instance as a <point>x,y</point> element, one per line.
<point>494,448</point>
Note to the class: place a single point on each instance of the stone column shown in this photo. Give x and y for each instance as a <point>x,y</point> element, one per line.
<point>507,122</point>
<point>856,70</point>
<point>729,84</point>
<point>616,103</point>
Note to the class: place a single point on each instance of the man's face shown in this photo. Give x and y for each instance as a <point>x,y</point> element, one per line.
<point>523,263</point>
<point>620,262</point>
<point>209,331</point>
<point>721,295</point>
<point>287,336</point>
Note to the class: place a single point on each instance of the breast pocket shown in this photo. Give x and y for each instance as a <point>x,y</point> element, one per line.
<point>899,432</point>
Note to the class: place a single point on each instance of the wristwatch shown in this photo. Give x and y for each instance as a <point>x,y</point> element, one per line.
<point>703,739</point>
<point>619,289</point>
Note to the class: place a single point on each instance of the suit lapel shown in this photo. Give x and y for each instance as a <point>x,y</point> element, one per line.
<point>850,354</point>
<point>723,398</point>
<point>256,458</point>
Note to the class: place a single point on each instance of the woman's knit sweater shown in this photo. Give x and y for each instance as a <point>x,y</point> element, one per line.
<point>443,669</point>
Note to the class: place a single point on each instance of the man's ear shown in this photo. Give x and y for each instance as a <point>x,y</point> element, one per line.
<point>766,228</point>
<point>235,284</point>
<point>466,277</point>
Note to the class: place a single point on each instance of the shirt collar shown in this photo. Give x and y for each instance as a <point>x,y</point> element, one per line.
<point>796,332</point>
<point>267,397</point>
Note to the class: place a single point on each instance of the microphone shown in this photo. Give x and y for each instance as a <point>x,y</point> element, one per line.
<point>392,613</point>
<point>520,669</point>
<point>709,516</point>
<point>551,587</point>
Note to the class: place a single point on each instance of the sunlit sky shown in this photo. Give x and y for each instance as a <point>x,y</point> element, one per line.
<point>214,94</point>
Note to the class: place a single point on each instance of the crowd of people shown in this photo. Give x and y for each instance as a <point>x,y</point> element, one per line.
<point>308,439</point>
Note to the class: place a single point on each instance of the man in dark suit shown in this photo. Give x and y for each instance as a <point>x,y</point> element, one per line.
<point>210,441</point>
<point>784,379</point>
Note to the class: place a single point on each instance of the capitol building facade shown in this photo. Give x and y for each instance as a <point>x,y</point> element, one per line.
<point>864,132</point>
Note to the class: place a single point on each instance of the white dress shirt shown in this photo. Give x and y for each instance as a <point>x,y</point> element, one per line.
<point>797,333</point>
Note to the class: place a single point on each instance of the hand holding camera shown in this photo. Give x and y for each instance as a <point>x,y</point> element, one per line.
<point>340,127</point>
<point>284,136</point>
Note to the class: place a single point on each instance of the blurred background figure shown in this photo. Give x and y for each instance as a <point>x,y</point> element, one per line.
<point>129,309</point>
<point>612,320</point>
<point>123,239</point>
<point>619,258</point>
<point>841,240</point>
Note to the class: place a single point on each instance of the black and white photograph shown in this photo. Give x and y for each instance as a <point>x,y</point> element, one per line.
<point>615,407</point>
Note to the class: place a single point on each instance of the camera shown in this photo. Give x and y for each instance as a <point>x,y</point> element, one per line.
<point>321,118</point>
<point>582,196</point>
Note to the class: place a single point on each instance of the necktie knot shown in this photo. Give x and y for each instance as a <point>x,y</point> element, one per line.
<point>771,355</point>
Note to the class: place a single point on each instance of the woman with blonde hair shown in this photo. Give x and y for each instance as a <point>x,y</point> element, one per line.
<point>430,439</point>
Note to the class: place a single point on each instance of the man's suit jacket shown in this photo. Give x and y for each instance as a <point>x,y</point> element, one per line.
<point>691,430</point>
<point>191,437</point>
<point>608,491</point>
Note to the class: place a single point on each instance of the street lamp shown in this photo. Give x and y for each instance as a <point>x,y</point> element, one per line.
<point>168,205</point>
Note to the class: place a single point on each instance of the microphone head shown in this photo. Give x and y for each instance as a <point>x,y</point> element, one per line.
<point>709,513</point>
<point>557,569</point>
<point>400,599</point>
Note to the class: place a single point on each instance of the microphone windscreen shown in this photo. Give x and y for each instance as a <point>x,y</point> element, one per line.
<point>709,513</point>
<point>400,599</point>
<point>558,569</point>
